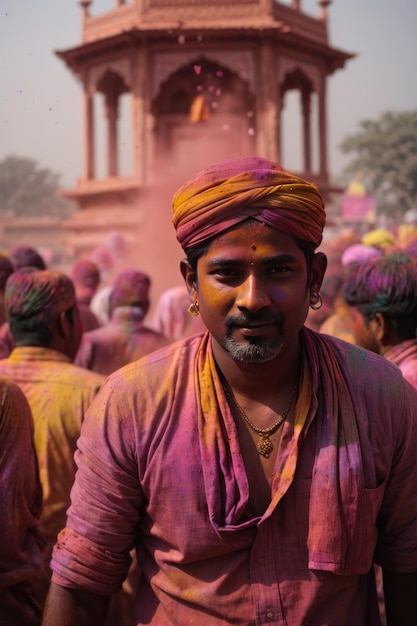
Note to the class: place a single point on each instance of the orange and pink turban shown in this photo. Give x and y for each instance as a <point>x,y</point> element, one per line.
<point>250,187</point>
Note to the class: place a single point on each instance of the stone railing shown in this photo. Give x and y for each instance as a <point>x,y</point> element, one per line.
<point>124,17</point>
<point>149,14</point>
<point>300,23</point>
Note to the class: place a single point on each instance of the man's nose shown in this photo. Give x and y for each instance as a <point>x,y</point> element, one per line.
<point>252,294</point>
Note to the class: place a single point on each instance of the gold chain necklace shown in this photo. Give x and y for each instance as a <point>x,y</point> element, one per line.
<point>264,445</point>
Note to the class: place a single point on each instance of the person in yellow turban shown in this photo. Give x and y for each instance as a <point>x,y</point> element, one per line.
<point>380,238</point>
<point>258,468</point>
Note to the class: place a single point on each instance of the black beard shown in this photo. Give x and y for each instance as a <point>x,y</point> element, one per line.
<point>254,350</point>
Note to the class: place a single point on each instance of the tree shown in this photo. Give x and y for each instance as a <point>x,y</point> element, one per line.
<point>27,189</point>
<point>387,160</point>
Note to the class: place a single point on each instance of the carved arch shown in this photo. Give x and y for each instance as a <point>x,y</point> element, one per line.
<point>121,67</point>
<point>112,83</point>
<point>297,80</point>
<point>167,64</point>
<point>222,89</point>
<point>304,72</point>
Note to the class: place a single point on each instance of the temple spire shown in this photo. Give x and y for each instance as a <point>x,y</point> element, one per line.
<point>323,9</point>
<point>85,5</point>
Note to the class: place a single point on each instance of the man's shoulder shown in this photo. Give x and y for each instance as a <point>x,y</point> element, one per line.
<point>84,376</point>
<point>98,334</point>
<point>362,369</point>
<point>350,352</point>
<point>69,374</point>
<point>148,340</point>
<point>179,354</point>
<point>54,374</point>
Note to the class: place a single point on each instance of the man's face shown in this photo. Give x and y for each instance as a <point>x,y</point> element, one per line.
<point>253,291</point>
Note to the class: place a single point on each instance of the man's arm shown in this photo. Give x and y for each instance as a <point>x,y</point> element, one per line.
<point>72,607</point>
<point>400,591</point>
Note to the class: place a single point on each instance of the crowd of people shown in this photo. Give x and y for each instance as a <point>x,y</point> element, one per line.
<point>245,454</point>
<point>370,294</point>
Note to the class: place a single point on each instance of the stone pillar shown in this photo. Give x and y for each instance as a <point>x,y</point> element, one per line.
<point>323,128</point>
<point>135,113</point>
<point>88,134</point>
<point>306,111</point>
<point>147,136</point>
<point>269,104</point>
<point>139,143</point>
<point>112,105</point>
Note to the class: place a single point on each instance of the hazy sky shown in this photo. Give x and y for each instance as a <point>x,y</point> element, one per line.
<point>40,100</point>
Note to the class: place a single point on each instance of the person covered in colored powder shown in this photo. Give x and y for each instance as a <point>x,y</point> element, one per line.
<point>382,294</point>
<point>260,468</point>
<point>125,338</point>
<point>6,268</point>
<point>341,322</point>
<point>171,317</point>
<point>44,320</point>
<point>20,256</point>
<point>85,275</point>
<point>26,256</point>
<point>23,576</point>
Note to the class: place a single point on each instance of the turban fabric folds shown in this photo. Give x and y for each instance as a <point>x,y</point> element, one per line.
<point>359,253</point>
<point>86,277</point>
<point>236,189</point>
<point>130,288</point>
<point>379,237</point>
<point>44,293</point>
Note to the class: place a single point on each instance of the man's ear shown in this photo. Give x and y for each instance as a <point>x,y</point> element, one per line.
<point>63,325</point>
<point>190,278</point>
<point>381,328</point>
<point>318,269</point>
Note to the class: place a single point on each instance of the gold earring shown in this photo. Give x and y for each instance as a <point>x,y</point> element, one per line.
<point>193,309</point>
<point>317,303</point>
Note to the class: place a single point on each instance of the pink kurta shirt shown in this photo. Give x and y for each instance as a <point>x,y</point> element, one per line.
<point>160,467</point>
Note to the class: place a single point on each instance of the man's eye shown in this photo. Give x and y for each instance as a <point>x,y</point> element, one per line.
<point>280,270</point>
<point>226,272</point>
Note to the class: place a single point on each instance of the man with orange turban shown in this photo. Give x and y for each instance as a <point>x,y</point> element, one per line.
<point>258,468</point>
<point>221,197</point>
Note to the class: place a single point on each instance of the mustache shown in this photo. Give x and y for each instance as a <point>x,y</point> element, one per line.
<point>248,319</point>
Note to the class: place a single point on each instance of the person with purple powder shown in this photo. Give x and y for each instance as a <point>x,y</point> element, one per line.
<point>259,469</point>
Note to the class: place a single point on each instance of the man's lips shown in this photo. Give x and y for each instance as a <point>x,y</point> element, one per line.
<point>255,330</point>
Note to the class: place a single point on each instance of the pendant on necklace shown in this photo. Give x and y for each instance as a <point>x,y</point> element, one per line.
<point>264,445</point>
